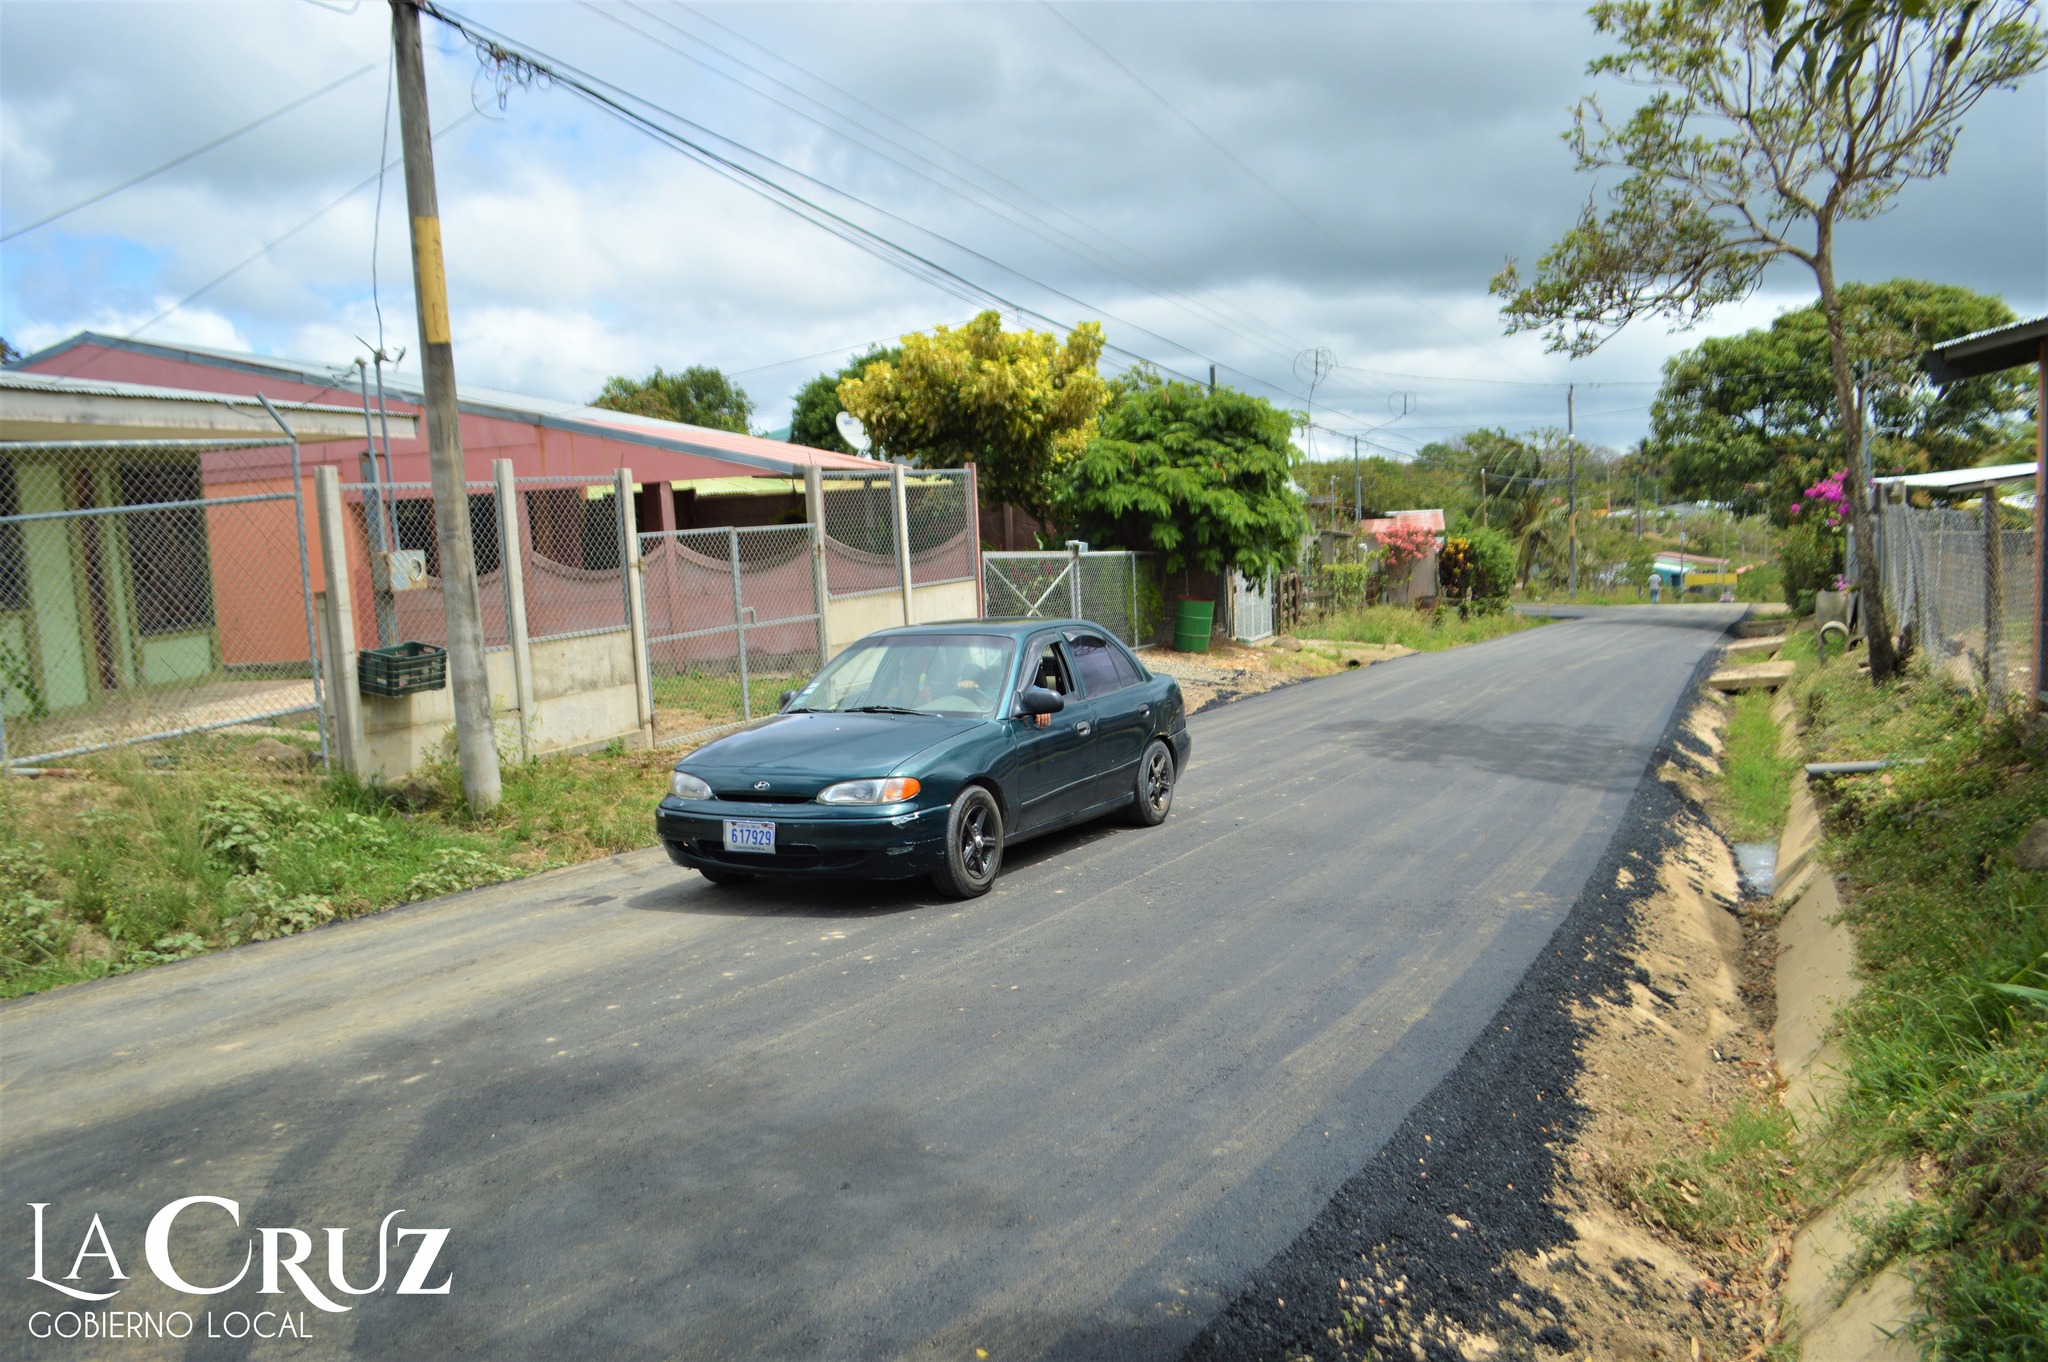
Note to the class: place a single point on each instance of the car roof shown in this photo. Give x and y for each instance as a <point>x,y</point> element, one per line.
<point>1016,629</point>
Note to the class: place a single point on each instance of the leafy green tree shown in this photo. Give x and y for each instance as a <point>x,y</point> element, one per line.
<point>698,396</point>
<point>1750,149</point>
<point>1751,419</point>
<point>1020,404</point>
<point>1204,479</point>
<point>814,417</point>
<point>8,354</point>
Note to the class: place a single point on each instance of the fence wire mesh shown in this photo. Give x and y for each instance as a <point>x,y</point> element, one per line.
<point>1097,586</point>
<point>1936,572</point>
<point>941,547</point>
<point>732,622</point>
<point>133,608</point>
<point>860,533</point>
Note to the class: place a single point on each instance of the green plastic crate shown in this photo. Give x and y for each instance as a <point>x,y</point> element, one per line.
<point>401,669</point>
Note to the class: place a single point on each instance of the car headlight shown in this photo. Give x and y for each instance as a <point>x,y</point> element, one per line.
<point>683,785</point>
<point>893,790</point>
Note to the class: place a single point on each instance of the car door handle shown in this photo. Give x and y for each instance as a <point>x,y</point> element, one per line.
<point>1082,728</point>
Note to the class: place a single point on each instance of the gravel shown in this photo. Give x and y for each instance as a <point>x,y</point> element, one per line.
<point>1420,1236</point>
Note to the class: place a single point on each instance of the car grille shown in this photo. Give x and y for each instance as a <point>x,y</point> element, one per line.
<point>789,856</point>
<point>762,797</point>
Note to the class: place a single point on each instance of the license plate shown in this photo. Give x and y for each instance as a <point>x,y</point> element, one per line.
<point>751,835</point>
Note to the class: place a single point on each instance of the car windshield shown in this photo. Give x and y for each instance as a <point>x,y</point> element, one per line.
<point>914,674</point>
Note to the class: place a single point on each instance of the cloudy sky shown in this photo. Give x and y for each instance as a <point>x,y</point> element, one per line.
<point>1216,183</point>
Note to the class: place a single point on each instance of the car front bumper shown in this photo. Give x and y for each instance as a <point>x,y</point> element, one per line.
<point>810,839</point>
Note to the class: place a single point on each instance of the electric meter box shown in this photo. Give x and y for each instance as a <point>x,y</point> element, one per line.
<point>399,569</point>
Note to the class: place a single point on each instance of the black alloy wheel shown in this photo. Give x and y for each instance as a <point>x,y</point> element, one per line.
<point>1153,797</point>
<point>974,845</point>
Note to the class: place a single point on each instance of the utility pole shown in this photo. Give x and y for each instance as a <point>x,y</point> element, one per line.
<point>1357,484</point>
<point>1212,380</point>
<point>475,737</point>
<point>1571,488</point>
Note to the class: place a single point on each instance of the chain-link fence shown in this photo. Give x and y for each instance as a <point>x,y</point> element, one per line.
<point>134,608</point>
<point>860,533</point>
<point>1099,586</point>
<point>732,622</point>
<point>942,549</point>
<point>1936,576</point>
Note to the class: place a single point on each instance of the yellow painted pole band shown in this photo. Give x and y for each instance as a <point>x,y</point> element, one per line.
<point>433,281</point>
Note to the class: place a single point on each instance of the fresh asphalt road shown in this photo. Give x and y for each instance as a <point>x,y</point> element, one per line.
<point>662,1119</point>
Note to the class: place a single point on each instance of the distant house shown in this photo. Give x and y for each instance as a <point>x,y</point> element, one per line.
<point>1679,569</point>
<point>1421,582</point>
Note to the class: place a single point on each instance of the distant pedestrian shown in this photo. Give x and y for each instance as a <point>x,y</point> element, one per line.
<point>1656,587</point>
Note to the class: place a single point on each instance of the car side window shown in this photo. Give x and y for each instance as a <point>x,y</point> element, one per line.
<point>1048,669</point>
<point>1125,667</point>
<point>1095,660</point>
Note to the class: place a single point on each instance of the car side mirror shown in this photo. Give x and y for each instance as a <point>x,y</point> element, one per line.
<point>787,696</point>
<point>1037,700</point>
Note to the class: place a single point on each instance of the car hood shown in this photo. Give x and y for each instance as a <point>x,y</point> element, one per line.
<point>802,753</point>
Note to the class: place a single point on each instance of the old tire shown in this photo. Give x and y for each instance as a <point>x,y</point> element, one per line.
<point>974,845</point>
<point>717,876</point>
<point>1152,799</point>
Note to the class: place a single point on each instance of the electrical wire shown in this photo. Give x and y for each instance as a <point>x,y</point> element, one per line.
<point>177,161</point>
<point>269,246</point>
<point>1129,273</point>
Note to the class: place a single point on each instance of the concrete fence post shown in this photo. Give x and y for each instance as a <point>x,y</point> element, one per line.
<point>346,696</point>
<point>512,566</point>
<point>1074,578</point>
<point>636,602</point>
<point>821,586</point>
<point>900,500</point>
<point>974,540</point>
<point>1994,597</point>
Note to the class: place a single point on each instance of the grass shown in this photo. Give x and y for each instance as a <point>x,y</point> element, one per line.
<point>1945,1050</point>
<point>1947,1047</point>
<point>198,846</point>
<point>715,697</point>
<point>1422,630</point>
<point>1755,788</point>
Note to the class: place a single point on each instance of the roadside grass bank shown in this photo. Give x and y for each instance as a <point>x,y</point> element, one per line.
<point>143,858</point>
<point>1423,631</point>
<point>1944,1052</point>
<point>1946,1048</point>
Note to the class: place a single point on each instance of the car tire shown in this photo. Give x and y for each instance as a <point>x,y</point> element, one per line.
<point>717,876</point>
<point>974,845</point>
<point>1152,797</point>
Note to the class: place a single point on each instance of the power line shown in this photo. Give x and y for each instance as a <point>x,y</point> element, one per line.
<point>177,161</point>
<point>1287,344</point>
<point>275,242</point>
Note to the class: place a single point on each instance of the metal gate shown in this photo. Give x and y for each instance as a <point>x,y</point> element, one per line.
<point>1251,609</point>
<point>732,620</point>
<point>1090,585</point>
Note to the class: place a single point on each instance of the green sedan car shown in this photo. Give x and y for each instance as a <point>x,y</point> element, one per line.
<point>926,751</point>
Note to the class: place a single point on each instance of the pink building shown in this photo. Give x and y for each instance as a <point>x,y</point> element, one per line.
<point>1421,581</point>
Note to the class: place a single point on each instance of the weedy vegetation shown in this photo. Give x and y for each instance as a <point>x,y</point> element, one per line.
<point>143,858</point>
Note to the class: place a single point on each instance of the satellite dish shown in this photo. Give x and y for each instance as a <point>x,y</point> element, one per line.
<point>853,432</point>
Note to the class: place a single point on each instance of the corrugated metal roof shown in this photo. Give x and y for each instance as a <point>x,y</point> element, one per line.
<point>746,450</point>
<point>28,381</point>
<point>1966,479</point>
